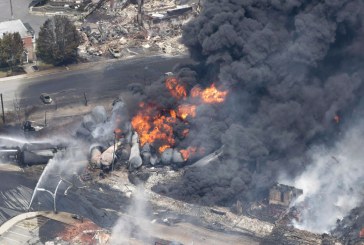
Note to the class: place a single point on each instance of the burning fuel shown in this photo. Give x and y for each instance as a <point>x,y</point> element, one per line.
<point>186,110</point>
<point>292,78</point>
<point>209,95</point>
<point>177,90</point>
<point>156,126</point>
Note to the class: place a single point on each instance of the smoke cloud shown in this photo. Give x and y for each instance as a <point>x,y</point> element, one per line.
<point>294,72</point>
<point>333,183</point>
<point>97,127</point>
<point>136,223</point>
<point>60,172</point>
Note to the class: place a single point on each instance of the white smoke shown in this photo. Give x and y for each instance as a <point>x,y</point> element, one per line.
<point>100,127</point>
<point>135,224</point>
<point>59,173</point>
<point>333,183</point>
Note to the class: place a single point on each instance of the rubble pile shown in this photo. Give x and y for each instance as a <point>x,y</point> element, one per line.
<point>351,229</point>
<point>84,233</point>
<point>116,28</point>
<point>291,236</point>
<point>262,211</point>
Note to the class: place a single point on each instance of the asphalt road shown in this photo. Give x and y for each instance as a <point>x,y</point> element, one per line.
<point>99,80</point>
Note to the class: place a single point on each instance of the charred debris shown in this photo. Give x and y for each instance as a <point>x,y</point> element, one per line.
<point>121,29</point>
<point>124,28</point>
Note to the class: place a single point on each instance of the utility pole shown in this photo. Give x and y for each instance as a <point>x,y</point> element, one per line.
<point>11,10</point>
<point>2,107</point>
<point>113,153</point>
<point>84,94</point>
<point>140,12</point>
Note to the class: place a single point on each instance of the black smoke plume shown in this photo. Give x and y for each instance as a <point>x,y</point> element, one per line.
<point>294,70</point>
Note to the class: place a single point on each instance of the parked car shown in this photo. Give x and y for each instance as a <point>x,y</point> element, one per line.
<point>46,99</point>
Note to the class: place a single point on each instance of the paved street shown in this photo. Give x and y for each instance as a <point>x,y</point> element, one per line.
<point>99,80</point>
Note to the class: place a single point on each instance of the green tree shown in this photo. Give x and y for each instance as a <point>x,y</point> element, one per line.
<point>11,50</point>
<point>58,41</point>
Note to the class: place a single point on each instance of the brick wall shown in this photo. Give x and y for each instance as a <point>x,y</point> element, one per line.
<point>29,47</point>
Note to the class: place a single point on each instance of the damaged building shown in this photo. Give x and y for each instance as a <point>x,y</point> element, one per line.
<point>156,28</point>
<point>284,195</point>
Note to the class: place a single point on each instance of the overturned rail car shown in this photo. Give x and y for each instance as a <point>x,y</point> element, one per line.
<point>29,153</point>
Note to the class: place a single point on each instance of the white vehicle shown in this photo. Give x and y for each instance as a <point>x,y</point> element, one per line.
<point>46,99</point>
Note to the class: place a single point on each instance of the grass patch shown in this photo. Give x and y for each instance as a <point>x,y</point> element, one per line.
<point>44,66</point>
<point>3,74</point>
<point>6,72</point>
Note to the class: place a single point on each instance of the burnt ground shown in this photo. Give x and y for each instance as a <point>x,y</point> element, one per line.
<point>349,229</point>
<point>283,235</point>
<point>102,203</point>
<point>15,191</point>
<point>85,199</point>
<point>105,200</point>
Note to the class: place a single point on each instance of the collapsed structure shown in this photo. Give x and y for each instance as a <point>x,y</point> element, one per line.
<point>283,194</point>
<point>127,29</point>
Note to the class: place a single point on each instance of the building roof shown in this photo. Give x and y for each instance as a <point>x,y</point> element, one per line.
<point>13,26</point>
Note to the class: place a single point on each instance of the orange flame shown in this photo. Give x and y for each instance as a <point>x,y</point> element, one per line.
<point>209,95</point>
<point>195,92</point>
<point>163,148</point>
<point>173,113</point>
<point>176,89</point>
<point>118,133</point>
<point>188,152</point>
<point>150,129</point>
<point>186,110</point>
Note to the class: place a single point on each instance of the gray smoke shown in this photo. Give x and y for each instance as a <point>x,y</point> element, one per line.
<point>98,127</point>
<point>293,68</point>
<point>333,183</point>
<point>136,224</point>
